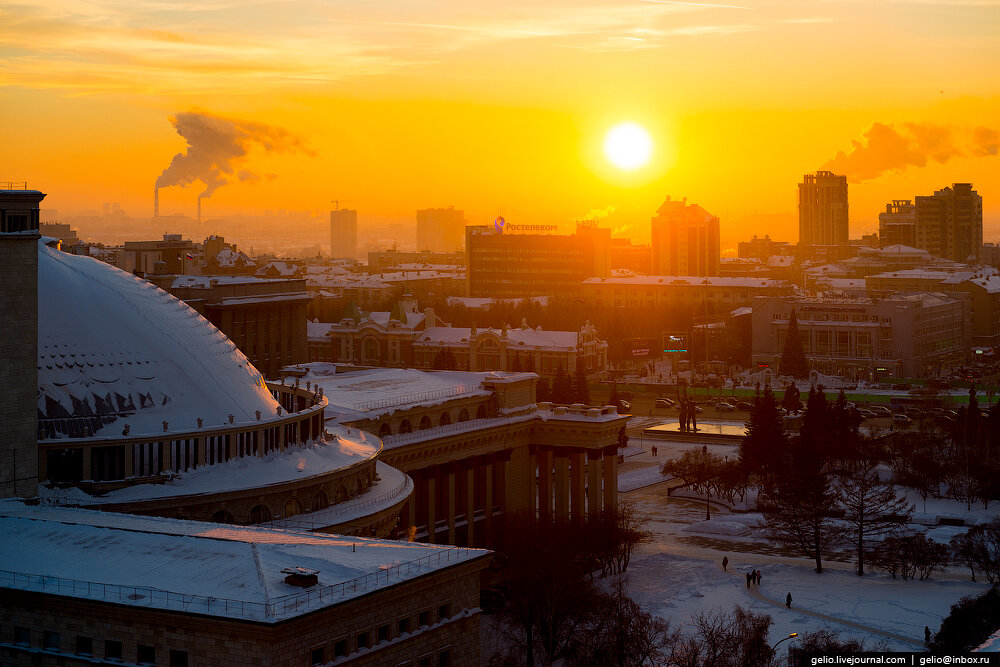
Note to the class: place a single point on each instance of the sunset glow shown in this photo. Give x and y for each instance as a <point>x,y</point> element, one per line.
<point>628,146</point>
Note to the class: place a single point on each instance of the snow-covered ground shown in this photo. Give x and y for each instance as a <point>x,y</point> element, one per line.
<point>680,573</point>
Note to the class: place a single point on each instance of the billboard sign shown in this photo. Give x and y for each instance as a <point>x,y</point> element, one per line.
<point>675,343</point>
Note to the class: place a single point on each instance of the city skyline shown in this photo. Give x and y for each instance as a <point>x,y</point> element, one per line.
<point>506,114</point>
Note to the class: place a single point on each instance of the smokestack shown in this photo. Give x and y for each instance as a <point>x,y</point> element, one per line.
<point>156,202</point>
<point>199,211</point>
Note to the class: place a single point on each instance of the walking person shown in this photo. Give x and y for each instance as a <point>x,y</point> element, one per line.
<point>725,563</point>
<point>694,417</point>
<point>748,580</point>
<point>927,635</point>
<point>788,600</point>
<point>757,575</point>
<point>683,416</point>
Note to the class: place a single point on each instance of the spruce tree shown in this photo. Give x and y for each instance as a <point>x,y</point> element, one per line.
<point>764,446</point>
<point>581,390</point>
<point>793,357</point>
<point>515,365</point>
<point>562,387</point>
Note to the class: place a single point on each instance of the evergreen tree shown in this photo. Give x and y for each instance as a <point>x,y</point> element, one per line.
<point>515,365</point>
<point>972,419</point>
<point>543,391</point>
<point>581,389</point>
<point>816,424</point>
<point>562,387</point>
<point>530,366</point>
<point>445,360</point>
<point>764,446</point>
<point>793,357</point>
<point>615,399</point>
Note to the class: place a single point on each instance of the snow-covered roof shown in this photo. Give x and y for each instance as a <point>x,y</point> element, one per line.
<point>281,268</point>
<point>484,303</point>
<point>521,337</point>
<point>317,331</point>
<point>348,447</point>
<point>715,281</point>
<point>227,257</point>
<point>116,348</point>
<point>202,568</point>
<point>205,282</point>
<point>356,394</point>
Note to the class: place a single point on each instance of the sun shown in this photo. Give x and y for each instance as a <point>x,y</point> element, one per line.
<point>628,146</point>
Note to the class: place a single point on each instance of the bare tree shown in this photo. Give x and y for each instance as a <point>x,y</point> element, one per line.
<point>979,549</point>
<point>699,469</point>
<point>614,536</point>
<point>872,510</point>
<point>735,638</point>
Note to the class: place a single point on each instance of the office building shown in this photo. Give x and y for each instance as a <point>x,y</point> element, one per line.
<point>685,240</point>
<point>823,219</point>
<point>949,223</point>
<point>344,233</point>
<point>440,229</point>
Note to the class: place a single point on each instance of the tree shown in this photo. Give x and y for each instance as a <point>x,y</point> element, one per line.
<point>872,510</point>
<point>581,389</point>
<point>764,447</point>
<point>543,390</point>
<point>613,536</point>
<point>917,464</point>
<point>979,549</point>
<point>615,399</point>
<point>699,469</point>
<point>562,387</point>
<point>910,556</point>
<point>798,509</point>
<point>445,360</point>
<point>626,635</point>
<point>970,623</point>
<point>793,357</point>
<point>736,638</point>
<point>515,364</point>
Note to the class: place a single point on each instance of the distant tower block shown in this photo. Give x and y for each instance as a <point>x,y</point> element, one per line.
<point>344,233</point>
<point>19,341</point>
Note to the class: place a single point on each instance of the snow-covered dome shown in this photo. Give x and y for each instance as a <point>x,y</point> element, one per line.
<point>115,350</point>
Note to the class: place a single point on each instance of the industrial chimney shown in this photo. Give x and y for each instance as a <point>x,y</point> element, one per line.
<point>156,202</point>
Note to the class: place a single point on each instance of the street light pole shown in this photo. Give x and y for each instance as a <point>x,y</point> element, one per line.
<point>790,636</point>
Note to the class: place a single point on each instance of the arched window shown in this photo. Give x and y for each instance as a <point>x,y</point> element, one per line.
<point>463,416</point>
<point>222,516</point>
<point>292,507</point>
<point>320,501</point>
<point>406,426</point>
<point>260,514</point>
<point>425,423</point>
<point>384,430</point>
<point>357,486</point>
<point>371,350</point>
<point>445,419</point>
<point>481,411</point>
<point>341,494</point>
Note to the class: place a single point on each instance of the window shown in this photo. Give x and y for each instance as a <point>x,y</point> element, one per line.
<point>22,636</point>
<point>84,646</point>
<point>403,627</point>
<point>382,634</point>
<point>51,640</point>
<point>444,658</point>
<point>112,650</point>
<point>317,656</point>
<point>444,611</point>
<point>364,640</point>
<point>145,655</point>
<point>424,618</point>
<point>178,658</point>
<point>340,647</point>
<point>424,662</point>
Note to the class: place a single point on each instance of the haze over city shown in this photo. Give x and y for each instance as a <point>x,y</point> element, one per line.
<point>390,108</point>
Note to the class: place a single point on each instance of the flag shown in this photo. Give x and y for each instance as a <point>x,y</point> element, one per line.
<point>189,255</point>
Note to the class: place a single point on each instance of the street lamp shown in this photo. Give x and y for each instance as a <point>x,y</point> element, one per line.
<point>791,636</point>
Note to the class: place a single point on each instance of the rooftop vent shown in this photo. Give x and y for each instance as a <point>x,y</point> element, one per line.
<point>300,576</point>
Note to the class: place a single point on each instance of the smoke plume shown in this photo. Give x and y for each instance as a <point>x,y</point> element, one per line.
<point>217,150</point>
<point>886,148</point>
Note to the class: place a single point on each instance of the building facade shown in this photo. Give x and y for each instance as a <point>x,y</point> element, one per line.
<point>685,240</point>
<point>701,296</point>
<point>344,233</point>
<point>914,335</point>
<point>440,229</point>
<point>510,265</point>
<point>898,225</point>
<point>950,223</point>
<point>823,212</point>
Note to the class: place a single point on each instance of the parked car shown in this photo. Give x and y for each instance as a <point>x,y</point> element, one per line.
<point>725,407</point>
<point>867,414</point>
<point>743,405</point>
<point>901,419</point>
<point>902,386</point>
<point>881,410</point>
<point>664,403</point>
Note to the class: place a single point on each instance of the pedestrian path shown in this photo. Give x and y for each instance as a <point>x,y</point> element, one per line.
<point>754,592</point>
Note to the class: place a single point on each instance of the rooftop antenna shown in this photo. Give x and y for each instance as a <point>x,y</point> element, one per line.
<point>336,203</point>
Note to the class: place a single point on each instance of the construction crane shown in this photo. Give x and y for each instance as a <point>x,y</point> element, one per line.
<point>336,203</point>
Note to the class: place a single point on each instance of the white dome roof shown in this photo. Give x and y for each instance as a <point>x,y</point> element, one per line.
<point>114,349</point>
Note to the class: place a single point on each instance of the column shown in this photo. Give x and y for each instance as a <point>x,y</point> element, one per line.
<point>610,478</point>
<point>544,483</point>
<point>411,504</point>
<point>470,504</point>
<point>451,507</point>
<point>518,501</point>
<point>200,449</point>
<point>576,484</point>
<point>488,498</point>
<point>533,482</point>
<point>562,487</point>
<point>594,489</point>
<point>87,472</point>
<point>431,503</point>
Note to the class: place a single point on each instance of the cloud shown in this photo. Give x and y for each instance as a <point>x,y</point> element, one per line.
<point>217,150</point>
<point>894,148</point>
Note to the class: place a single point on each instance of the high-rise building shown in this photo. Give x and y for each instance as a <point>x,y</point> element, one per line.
<point>685,240</point>
<point>898,225</point>
<point>823,209</point>
<point>440,229</point>
<point>949,223</point>
<point>344,233</point>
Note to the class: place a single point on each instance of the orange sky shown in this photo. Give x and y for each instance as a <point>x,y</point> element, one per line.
<point>503,107</point>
